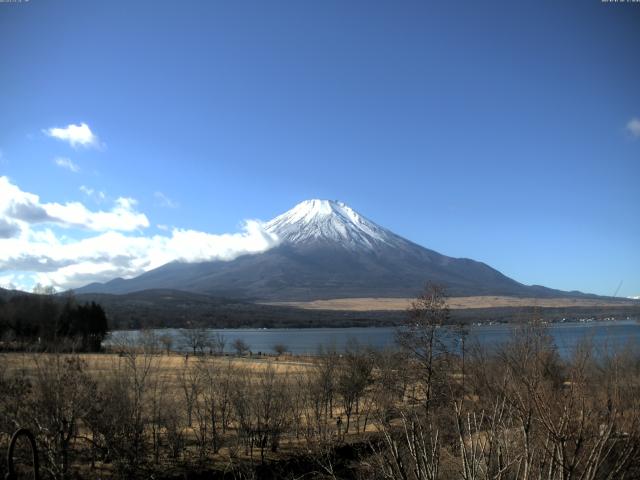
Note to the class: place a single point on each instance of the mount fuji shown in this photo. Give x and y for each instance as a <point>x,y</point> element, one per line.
<point>328,250</point>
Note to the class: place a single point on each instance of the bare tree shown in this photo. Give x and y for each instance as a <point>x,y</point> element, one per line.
<point>157,411</point>
<point>327,365</point>
<point>167,342</point>
<point>189,381</point>
<point>149,341</point>
<point>354,376</point>
<point>272,408</point>
<point>240,346</point>
<point>213,404</point>
<point>262,409</point>
<point>218,342</point>
<point>422,338</point>
<point>319,433</point>
<point>197,339</point>
<point>413,450</point>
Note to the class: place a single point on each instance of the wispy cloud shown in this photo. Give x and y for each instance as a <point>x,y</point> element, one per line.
<point>86,190</point>
<point>633,127</point>
<point>97,195</point>
<point>164,201</point>
<point>34,250</point>
<point>76,135</point>
<point>64,162</point>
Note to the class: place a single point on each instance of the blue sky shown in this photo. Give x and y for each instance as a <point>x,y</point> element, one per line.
<point>499,131</point>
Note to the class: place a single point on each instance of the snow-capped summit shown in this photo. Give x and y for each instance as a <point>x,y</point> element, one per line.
<point>314,221</point>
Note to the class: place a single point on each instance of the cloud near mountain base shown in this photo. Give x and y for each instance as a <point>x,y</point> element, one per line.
<point>68,245</point>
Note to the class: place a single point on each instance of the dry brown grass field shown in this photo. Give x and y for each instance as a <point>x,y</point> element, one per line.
<point>177,376</point>
<point>168,364</point>
<point>179,382</point>
<point>454,303</point>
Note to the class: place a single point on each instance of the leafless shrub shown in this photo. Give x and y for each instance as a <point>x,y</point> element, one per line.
<point>121,415</point>
<point>280,349</point>
<point>60,400</point>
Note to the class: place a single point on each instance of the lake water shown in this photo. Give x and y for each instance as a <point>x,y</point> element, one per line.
<point>611,335</point>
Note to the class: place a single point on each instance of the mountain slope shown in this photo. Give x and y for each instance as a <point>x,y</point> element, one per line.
<point>328,250</point>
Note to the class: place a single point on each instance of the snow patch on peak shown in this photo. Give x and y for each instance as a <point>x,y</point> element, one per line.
<point>311,209</point>
<point>329,221</point>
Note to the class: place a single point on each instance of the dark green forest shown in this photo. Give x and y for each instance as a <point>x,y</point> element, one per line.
<point>43,322</point>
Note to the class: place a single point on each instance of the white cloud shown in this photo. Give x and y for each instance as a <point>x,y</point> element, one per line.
<point>77,135</point>
<point>64,162</point>
<point>633,127</point>
<point>25,207</point>
<point>121,217</point>
<point>164,201</point>
<point>38,253</point>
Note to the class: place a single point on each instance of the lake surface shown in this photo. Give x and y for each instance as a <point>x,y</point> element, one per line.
<point>610,335</point>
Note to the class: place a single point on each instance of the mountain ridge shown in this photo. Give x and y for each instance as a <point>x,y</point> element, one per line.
<point>328,250</point>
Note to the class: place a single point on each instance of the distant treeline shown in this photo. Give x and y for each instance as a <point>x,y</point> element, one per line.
<point>44,321</point>
<point>176,309</point>
<point>151,309</point>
